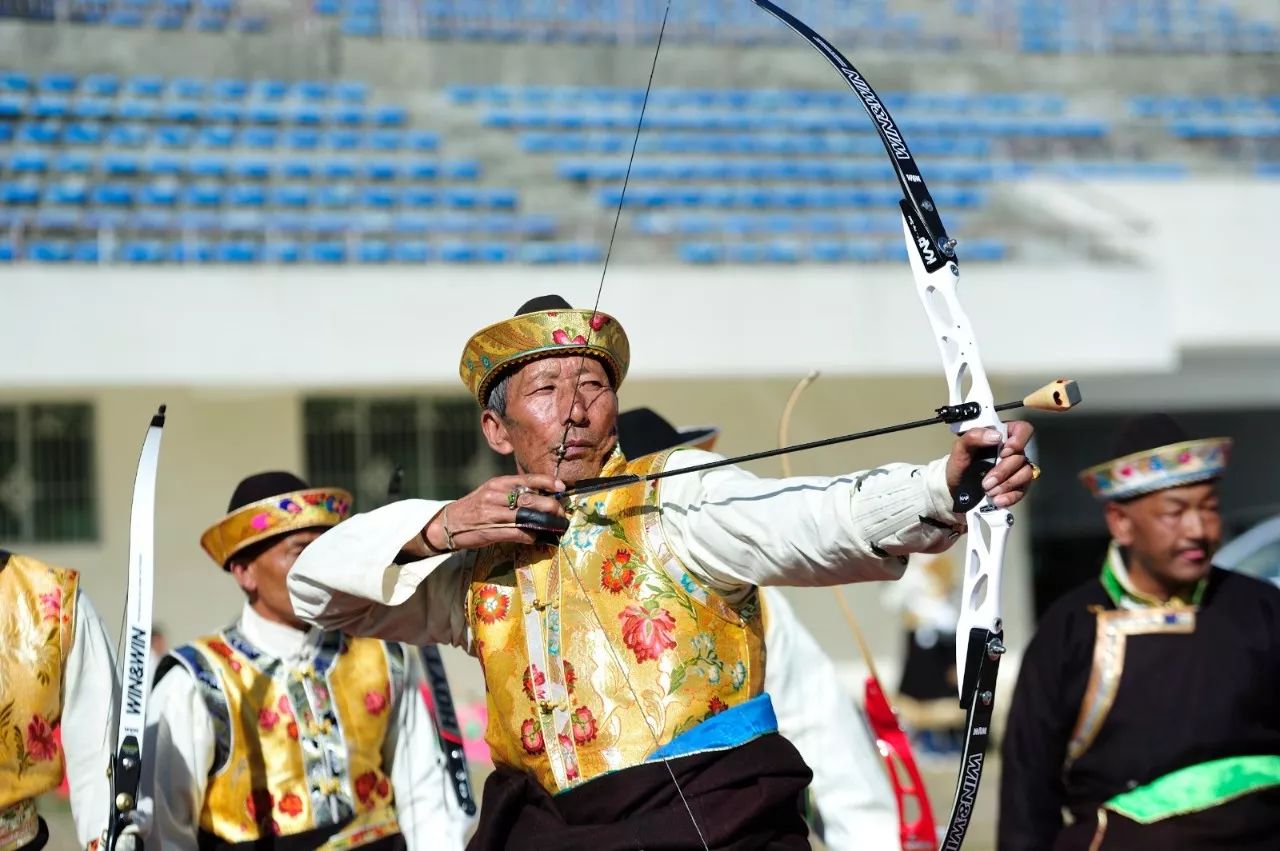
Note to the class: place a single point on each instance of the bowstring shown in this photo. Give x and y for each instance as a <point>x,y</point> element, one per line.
<point>613,235</point>
<point>577,383</point>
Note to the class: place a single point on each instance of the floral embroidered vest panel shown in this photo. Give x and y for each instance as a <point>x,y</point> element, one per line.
<point>37,627</point>
<point>599,651</point>
<point>299,748</point>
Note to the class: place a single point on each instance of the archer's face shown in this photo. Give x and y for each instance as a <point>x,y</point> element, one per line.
<point>263,579</point>
<point>541,402</point>
<point>1170,534</point>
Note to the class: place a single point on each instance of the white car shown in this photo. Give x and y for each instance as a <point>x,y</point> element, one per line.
<point>1256,552</point>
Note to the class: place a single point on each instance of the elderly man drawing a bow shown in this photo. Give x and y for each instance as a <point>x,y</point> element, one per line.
<point>623,659</point>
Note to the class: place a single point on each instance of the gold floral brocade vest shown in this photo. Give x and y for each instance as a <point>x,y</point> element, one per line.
<point>298,747</point>
<point>37,627</point>
<point>601,650</point>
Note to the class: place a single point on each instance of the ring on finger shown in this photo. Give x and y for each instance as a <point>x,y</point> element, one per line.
<point>514,497</point>
<point>1035,470</point>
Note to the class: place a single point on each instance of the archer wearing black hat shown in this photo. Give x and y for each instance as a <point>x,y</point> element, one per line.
<point>1147,704</point>
<point>268,732</point>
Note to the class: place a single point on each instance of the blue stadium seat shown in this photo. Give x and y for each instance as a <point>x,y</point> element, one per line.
<point>6,252</point>
<point>391,116</point>
<point>412,252</point>
<point>49,251</point>
<point>241,251</point>
<point>313,90</point>
<point>326,252</point>
<point>229,89</point>
<point>297,169</point>
<point>339,169</point>
<point>292,196</point>
<point>135,109</point>
<point>423,140</point>
<point>384,140</point>
<point>247,195</point>
<point>350,91</point>
<point>203,195</point>
<point>145,87</point>
<point>186,88</point>
<point>49,106</point>
<point>43,133</point>
<point>73,163</point>
<point>343,140</point>
<point>379,197</point>
<point>208,165</point>
<point>120,165</point>
<point>284,252</point>
<point>145,251</point>
<point>302,139</point>
<point>29,162</point>
<point>371,251</point>
<point>381,170</point>
<point>153,220</point>
<point>259,138</point>
<point>112,195</point>
<point>347,115</point>
<point>225,113</point>
<point>92,109</point>
<point>183,137</point>
<point>335,197</point>
<point>15,81</point>
<point>252,169</point>
<point>68,192</point>
<point>269,90</point>
<point>12,106</point>
<point>163,164</point>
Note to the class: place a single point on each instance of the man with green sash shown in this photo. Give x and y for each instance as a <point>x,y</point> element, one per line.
<point>1148,705</point>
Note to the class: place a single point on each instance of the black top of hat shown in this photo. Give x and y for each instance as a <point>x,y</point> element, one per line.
<point>1148,431</point>
<point>544,302</point>
<point>262,486</point>
<point>643,431</point>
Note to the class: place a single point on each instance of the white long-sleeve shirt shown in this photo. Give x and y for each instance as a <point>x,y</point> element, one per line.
<point>732,529</point>
<point>181,752</point>
<point>850,785</point>
<point>90,702</point>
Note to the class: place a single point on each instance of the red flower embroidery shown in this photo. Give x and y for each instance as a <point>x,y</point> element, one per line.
<point>290,805</point>
<point>1184,457</point>
<point>221,648</point>
<point>562,338</point>
<point>384,788</point>
<point>258,805</point>
<point>569,676</point>
<point>584,725</point>
<point>648,632</point>
<point>283,705</point>
<point>1126,471</point>
<point>41,743</point>
<point>375,702</point>
<point>491,604</point>
<point>364,785</point>
<point>570,757</point>
<point>267,719</point>
<point>51,606</point>
<point>598,321</point>
<point>531,737</point>
<point>716,705</point>
<point>534,682</point>
<point>292,729</point>
<point>615,573</point>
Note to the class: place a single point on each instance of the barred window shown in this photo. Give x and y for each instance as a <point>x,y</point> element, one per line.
<point>357,443</point>
<point>47,486</point>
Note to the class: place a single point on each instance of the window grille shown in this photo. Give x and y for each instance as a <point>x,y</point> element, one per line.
<point>47,477</point>
<point>356,443</point>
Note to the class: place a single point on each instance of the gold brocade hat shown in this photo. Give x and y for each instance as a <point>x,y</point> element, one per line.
<point>543,327</point>
<point>266,505</point>
<point>1155,453</point>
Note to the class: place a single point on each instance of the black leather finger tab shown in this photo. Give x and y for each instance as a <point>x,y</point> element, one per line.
<point>970,492</point>
<point>549,527</point>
